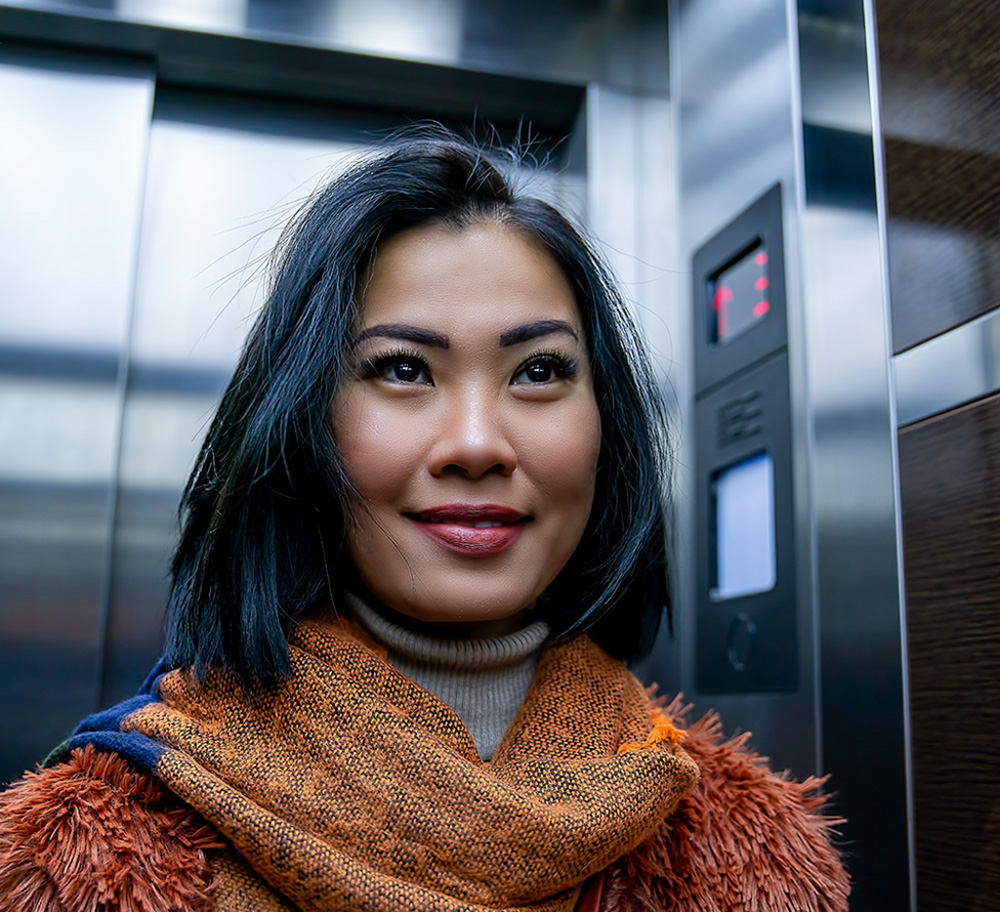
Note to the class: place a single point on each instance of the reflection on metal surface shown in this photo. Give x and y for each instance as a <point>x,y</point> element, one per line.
<point>630,194</point>
<point>619,44</point>
<point>736,139</point>
<point>57,432</point>
<point>780,90</point>
<point>63,222</point>
<point>631,201</point>
<point>195,14</point>
<point>949,370</point>
<point>222,181</point>
<point>161,436</point>
<point>854,488</point>
<point>428,30</point>
<point>833,95</point>
<point>71,171</point>
<point>218,194</point>
<point>222,15</point>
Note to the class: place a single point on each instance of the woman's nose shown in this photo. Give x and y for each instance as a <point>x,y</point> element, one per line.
<point>472,439</point>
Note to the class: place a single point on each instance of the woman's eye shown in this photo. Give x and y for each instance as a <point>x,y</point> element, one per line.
<point>544,369</point>
<point>537,372</point>
<point>399,369</point>
<point>404,371</point>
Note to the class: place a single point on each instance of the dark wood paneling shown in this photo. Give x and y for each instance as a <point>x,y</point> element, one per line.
<point>943,235</point>
<point>950,488</point>
<point>940,78</point>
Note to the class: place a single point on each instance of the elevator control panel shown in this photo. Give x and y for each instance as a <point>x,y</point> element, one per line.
<point>746,620</point>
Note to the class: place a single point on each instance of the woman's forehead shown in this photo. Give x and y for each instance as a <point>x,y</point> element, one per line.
<point>486,275</point>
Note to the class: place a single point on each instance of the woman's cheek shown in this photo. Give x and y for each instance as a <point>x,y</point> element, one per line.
<point>372,445</point>
<point>563,449</point>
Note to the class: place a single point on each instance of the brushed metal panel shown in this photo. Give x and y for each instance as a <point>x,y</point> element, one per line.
<point>737,137</point>
<point>71,169</point>
<point>620,44</point>
<point>631,207</point>
<point>948,370</point>
<point>224,176</point>
<point>861,640</point>
<point>782,91</point>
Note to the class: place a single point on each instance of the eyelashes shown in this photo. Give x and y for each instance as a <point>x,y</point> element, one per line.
<point>397,366</point>
<point>408,366</point>
<point>545,366</point>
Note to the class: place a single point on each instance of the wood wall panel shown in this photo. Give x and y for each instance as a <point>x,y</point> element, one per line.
<point>939,66</point>
<point>950,491</point>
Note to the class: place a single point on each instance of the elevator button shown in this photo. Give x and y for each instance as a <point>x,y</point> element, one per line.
<point>740,641</point>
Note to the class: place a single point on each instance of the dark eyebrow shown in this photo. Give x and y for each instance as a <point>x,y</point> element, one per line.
<point>530,331</point>
<point>405,332</point>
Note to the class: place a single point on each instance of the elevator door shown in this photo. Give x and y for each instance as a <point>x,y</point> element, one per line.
<point>133,265</point>
<point>225,175</point>
<point>72,163</point>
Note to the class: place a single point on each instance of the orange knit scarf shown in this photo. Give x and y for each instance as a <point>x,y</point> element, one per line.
<point>351,787</point>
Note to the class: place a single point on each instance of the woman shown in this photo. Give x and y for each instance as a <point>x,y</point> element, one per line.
<point>423,534</point>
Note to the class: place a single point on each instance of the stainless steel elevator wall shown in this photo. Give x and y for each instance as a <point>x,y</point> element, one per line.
<point>786,91</point>
<point>134,245</point>
<point>72,164</point>
<point>224,176</point>
<point>623,44</point>
<point>734,94</point>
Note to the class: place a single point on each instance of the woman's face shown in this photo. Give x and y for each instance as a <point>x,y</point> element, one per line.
<point>468,425</point>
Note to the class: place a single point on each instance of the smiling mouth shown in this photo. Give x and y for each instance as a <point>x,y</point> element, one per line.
<point>475,516</point>
<point>468,521</point>
<point>471,529</point>
<point>472,524</point>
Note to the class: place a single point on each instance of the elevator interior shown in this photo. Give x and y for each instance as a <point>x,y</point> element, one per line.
<point>160,147</point>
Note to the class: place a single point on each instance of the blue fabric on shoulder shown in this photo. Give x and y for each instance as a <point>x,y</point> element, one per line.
<point>104,729</point>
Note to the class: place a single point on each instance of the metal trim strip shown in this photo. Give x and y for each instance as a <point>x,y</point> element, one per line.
<point>949,370</point>
<point>881,210</point>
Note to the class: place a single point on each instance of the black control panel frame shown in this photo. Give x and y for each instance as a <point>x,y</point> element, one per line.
<point>759,223</point>
<point>744,643</point>
<point>747,644</point>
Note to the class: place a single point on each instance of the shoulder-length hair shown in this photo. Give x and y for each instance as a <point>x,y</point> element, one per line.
<point>263,514</point>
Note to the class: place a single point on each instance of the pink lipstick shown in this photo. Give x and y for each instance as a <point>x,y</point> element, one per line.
<point>475,530</point>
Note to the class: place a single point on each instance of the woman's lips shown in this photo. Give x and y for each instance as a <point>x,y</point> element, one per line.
<point>476,530</point>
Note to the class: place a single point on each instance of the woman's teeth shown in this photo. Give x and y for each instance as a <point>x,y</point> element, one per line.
<point>454,521</point>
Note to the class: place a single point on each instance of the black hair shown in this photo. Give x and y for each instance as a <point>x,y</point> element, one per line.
<point>264,512</point>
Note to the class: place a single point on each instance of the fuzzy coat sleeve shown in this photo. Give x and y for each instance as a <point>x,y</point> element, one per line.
<point>94,834</point>
<point>744,840</point>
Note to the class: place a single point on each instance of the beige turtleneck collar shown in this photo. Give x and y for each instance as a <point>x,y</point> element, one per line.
<point>484,680</point>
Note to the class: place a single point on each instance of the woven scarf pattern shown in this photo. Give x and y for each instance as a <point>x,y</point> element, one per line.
<point>351,787</point>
